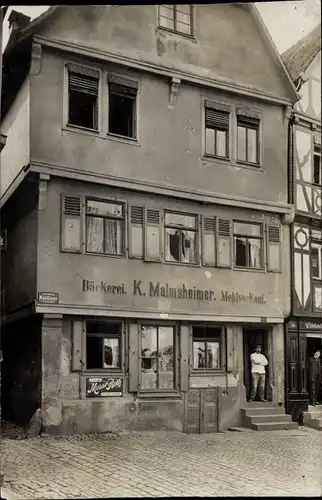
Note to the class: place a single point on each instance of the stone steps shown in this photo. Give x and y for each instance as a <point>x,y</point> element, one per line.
<point>266,417</point>
<point>313,417</point>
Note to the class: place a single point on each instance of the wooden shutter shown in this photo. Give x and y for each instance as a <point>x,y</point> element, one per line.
<point>82,79</point>
<point>224,242</point>
<point>152,240</point>
<point>135,219</point>
<point>273,247</point>
<point>217,119</point>
<point>185,345</point>
<point>208,241</point>
<point>77,344</point>
<point>133,357</point>
<point>71,226</point>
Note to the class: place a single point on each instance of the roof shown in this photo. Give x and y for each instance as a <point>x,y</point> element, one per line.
<point>299,57</point>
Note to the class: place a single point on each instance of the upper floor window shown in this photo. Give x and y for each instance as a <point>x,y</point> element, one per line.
<point>83,96</point>
<point>176,18</point>
<point>316,254</point>
<point>103,345</point>
<point>248,139</point>
<point>104,227</point>
<point>122,106</point>
<point>317,169</point>
<point>181,238</point>
<point>206,348</point>
<point>217,131</point>
<point>248,245</point>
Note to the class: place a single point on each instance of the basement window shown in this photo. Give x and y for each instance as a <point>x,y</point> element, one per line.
<point>83,97</point>
<point>122,107</point>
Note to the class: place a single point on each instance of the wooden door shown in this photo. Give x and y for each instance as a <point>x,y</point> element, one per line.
<point>201,410</point>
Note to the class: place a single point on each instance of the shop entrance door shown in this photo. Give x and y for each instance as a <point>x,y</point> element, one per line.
<point>251,338</point>
<point>201,410</point>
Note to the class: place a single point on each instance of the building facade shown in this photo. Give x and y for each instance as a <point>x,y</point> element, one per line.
<point>145,198</point>
<point>304,327</point>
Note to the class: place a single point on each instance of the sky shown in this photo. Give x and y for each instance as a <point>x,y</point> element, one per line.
<point>287,21</point>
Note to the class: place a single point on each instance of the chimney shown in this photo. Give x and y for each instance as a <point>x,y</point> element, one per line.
<point>17,21</point>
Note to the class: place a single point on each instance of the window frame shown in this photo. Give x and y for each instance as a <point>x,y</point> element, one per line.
<point>111,76</point>
<point>316,242</point>
<point>260,238</point>
<point>174,30</point>
<point>239,118</point>
<point>317,153</point>
<point>110,370</point>
<point>176,350</point>
<point>221,108</point>
<point>66,123</point>
<point>197,232</point>
<point>124,219</point>
<point>222,349</point>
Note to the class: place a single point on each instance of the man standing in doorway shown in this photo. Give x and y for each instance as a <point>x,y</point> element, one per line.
<point>314,376</point>
<point>258,361</point>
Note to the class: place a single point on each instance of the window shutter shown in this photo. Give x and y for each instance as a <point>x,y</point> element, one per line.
<point>273,248</point>
<point>83,79</point>
<point>152,240</point>
<point>133,357</point>
<point>185,343</point>
<point>224,242</point>
<point>77,343</point>
<point>217,119</point>
<point>71,227</point>
<point>136,232</point>
<point>208,241</point>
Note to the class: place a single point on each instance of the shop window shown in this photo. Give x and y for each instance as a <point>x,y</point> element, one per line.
<point>317,169</point>
<point>104,227</point>
<point>248,139</point>
<point>83,97</point>
<point>217,132</point>
<point>157,358</point>
<point>206,348</point>
<point>176,18</point>
<point>103,345</point>
<point>122,107</point>
<point>181,238</point>
<point>248,245</point>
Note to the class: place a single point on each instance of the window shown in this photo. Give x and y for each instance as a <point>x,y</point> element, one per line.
<point>248,243</point>
<point>206,348</point>
<point>248,139</point>
<point>103,345</point>
<point>316,254</point>
<point>157,358</point>
<point>317,170</point>
<point>83,97</point>
<point>104,227</point>
<point>122,107</point>
<point>181,238</point>
<point>217,128</point>
<point>176,18</point>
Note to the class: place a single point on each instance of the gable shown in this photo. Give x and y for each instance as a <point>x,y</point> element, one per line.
<point>230,45</point>
<point>310,90</point>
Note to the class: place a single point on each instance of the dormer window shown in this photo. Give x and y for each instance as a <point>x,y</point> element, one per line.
<point>177,18</point>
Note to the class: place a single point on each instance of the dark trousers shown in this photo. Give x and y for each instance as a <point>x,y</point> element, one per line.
<point>258,384</point>
<point>315,390</point>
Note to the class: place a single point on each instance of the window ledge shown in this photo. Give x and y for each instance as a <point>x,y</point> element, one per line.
<point>178,33</point>
<point>207,373</point>
<point>106,255</point>
<point>102,373</point>
<point>224,159</point>
<point>249,269</point>
<point>78,128</point>
<point>154,396</point>
<point>120,138</point>
<point>181,264</point>
<point>246,164</point>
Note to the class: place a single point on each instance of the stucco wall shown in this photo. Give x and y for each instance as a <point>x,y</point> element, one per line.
<point>170,149</point>
<point>16,126</point>
<point>64,273</point>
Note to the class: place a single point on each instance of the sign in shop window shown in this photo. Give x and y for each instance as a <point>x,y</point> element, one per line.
<point>98,387</point>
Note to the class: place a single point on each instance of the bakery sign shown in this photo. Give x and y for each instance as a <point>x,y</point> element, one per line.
<point>101,387</point>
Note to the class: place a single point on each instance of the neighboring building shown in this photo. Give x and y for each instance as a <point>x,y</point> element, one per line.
<point>145,197</point>
<point>304,328</point>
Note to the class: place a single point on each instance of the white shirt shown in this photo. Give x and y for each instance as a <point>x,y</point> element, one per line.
<point>259,362</point>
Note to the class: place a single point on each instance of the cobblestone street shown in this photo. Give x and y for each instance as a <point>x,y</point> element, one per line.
<point>164,464</point>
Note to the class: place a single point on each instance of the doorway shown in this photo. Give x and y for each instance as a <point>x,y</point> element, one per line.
<point>251,338</point>
<point>314,341</point>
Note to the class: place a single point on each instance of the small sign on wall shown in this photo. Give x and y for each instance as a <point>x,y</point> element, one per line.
<point>101,387</point>
<point>48,297</point>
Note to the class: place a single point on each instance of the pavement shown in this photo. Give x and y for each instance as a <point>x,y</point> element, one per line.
<point>164,464</point>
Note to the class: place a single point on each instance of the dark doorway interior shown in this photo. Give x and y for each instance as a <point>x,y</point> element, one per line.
<point>252,337</point>
<point>313,343</point>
